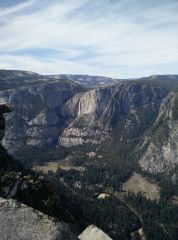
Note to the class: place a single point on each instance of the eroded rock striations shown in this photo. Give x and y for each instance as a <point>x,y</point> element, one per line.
<point>90,115</point>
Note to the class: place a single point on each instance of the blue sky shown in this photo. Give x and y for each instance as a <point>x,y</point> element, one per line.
<point>116,38</point>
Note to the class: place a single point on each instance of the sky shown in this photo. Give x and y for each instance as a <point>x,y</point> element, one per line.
<point>114,38</point>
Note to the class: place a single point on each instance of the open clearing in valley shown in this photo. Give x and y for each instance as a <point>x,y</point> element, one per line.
<point>53,166</point>
<point>137,183</point>
<point>175,200</point>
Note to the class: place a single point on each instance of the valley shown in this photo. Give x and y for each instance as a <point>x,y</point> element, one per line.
<point>95,156</point>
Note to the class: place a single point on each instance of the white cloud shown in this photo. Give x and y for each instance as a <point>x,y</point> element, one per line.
<point>96,38</point>
<point>54,66</point>
<point>9,10</point>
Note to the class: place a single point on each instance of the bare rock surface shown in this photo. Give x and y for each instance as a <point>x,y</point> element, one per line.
<point>19,222</point>
<point>93,233</point>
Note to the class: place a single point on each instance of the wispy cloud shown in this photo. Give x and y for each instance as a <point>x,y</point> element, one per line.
<point>115,38</point>
<point>15,8</point>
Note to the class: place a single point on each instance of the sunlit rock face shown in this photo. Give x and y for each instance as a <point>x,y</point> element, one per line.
<point>18,221</point>
<point>93,233</point>
<point>90,115</point>
<point>122,109</point>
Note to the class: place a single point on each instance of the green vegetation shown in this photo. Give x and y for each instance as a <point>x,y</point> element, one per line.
<point>29,155</point>
<point>159,219</point>
<point>109,172</point>
<point>112,217</point>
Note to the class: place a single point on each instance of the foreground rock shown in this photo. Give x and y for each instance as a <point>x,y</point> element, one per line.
<point>93,233</point>
<point>18,221</point>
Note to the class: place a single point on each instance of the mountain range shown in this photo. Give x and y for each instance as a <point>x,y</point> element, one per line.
<point>51,111</point>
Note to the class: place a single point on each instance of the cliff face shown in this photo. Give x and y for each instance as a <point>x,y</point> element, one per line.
<point>121,112</point>
<point>130,117</point>
<point>89,114</point>
<point>39,116</point>
<point>162,142</point>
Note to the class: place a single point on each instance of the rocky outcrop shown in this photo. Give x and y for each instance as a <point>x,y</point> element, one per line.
<point>93,233</point>
<point>18,221</point>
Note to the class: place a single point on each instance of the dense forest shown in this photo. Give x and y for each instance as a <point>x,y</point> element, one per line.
<point>159,220</point>
<point>119,218</point>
